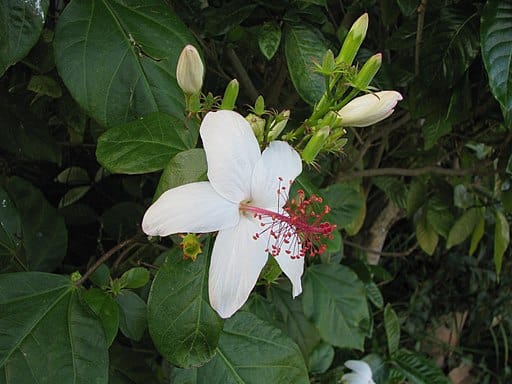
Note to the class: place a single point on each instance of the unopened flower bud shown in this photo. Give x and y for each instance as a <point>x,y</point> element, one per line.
<point>190,70</point>
<point>259,106</point>
<point>328,63</point>
<point>368,72</point>
<point>191,246</point>
<point>369,109</point>
<point>258,126</point>
<point>278,125</point>
<point>315,145</point>
<point>353,41</point>
<point>230,95</point>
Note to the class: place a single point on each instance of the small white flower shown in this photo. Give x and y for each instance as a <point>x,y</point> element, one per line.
<point>362,374</point>
<point>369,109</point>
<point>243,200</point>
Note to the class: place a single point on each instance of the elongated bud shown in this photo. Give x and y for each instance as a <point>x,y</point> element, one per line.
<point>328,63</point>
<point>368,72</point>
<point>369,109</point>
<point>353,41</point>
<point>258,126</point>
<point>278,125</point>
<point>259,106</point>
<point>315,145</point>
<point>190,71</point>
<point>230,95</point>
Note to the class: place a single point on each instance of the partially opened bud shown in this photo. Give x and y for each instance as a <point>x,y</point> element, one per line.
<point>369,109</point>
<point>190,71</point>
<point>353,41</point>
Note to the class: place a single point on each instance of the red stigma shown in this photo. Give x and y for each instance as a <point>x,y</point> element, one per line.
<point>298,228</point>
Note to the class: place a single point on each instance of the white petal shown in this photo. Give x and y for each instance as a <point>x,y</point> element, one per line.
<point>279,165</point>
<point>237,261</point>
<point>194,207</point>
<point>360,367</point>
<point>293,268</point>
<point>354,378</point>
<point>369,109</point>
<point>231,152</point>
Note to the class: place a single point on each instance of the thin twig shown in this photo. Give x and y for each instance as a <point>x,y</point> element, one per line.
<point>419,35</point>
<point>102,259</point>
<point>410,172</point>
<point>407,252</point>
<point>122,255</point>
<point>244,78</point>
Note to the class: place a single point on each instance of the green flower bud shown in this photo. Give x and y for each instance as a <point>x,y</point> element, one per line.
<point>230,95</point>
<point>258,126</point>
<point>353,41</point>
<point>190,70</point>
<point>315,145</point>
<point>368,72</point>
<point>259,106</point>
<point>278,125</point>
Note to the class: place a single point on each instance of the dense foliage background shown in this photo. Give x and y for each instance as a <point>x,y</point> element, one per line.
<point>418,281</point>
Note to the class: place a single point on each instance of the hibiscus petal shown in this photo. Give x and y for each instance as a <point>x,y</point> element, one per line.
<point>237,261</point>
<point>293,268</point>
<point>194,207</point>
<point>231,152</point>
<point>279,165</point>
<point>360,367</point>
<point>354,378</point>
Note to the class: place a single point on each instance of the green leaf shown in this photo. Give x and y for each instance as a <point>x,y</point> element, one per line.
<point>43,232</point>
<point>135,278</point>
<point>416,196</point>
<point>269,39</point>
<point>296,325</point>
<point>462,198</point>
<point>48,333</point>
<point>186,167</point>
<point>434,130</point>
<point>251,351</point>
<point>123,219</point>
<point>335,300</point>
<point>107,310</point>
<point>321,358</point>
<point>132,314</point>
<point>501,239</point>
<point>144,145</point>
<point>496,40</point>
<point>21,23</point>
<point>439,215</point>
<point>394,189</point>
<point>346,203</point>
<point>426,235</point>
<point>463,227</point>
<point>392,326</point>
<point>73,176</point>
<point>417,369</point>
<point>305,46</point>
<point>477,235</point>
<point>183,326</point>
<point>118,58</point>
<point>373,293</point>
<point>10,231</point>
<point>44,85</point>
<point>451,46</point>
<point>73,195</point>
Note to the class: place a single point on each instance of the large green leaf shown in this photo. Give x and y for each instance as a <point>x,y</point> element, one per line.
<point>346,202</point>
<point>426,235</point>
<point>118,57</point>
<point>496,40</point>
<point>296,325</point>
<point>250,351</point>
<point>21,23</point>
<point>107,310</point>
<point>305,46</point>
<point>43,232</point>
<point>48,335</point>
<point>132,314</point>
<point>186,167</point>
<point>335,300</point>
<point>451,46</point>
<point>183,326</point>
<point>144,145</point>
<point>463,227</point>
<point>416,368</point>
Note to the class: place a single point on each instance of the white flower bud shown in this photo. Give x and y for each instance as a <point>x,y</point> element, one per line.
<point>190,70</point>
<point>369,109</point>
